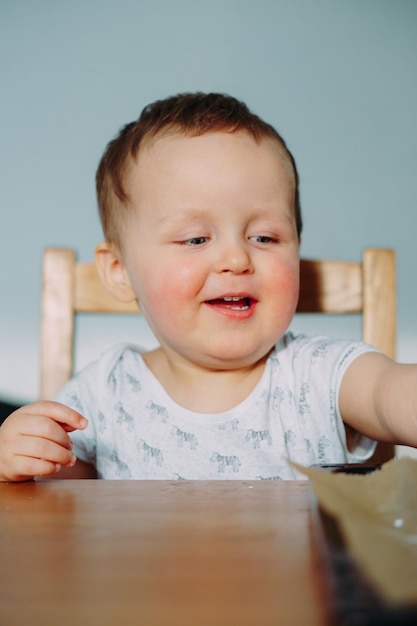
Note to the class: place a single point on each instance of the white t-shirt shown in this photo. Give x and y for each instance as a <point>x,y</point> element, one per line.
<point>137,431</point>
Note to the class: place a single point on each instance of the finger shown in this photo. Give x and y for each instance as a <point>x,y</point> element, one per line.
<point>29,468</point>
<point>29,447</point>
<point>21,467</point>
<point>68,418</point>
<point>40,427</point>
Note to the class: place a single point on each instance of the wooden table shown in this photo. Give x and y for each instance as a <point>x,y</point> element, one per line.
<point>121,553</point>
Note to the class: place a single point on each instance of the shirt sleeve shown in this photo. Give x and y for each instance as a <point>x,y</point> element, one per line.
<point>318,365</point>
<point>79,394</point>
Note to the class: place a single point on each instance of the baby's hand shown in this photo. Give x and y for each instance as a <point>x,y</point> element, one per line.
<point>34,441</point>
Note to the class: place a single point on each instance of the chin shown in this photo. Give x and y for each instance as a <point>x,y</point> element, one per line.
<point>233,359</point>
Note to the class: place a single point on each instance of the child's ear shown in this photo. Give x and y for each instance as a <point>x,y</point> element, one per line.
<point>112,272</point>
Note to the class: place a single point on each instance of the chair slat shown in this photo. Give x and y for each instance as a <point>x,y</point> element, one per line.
<point>379,312</point>
<point>330,287</point>
<point>57,324</point>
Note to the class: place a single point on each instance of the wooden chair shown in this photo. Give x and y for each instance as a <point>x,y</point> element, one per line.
<point>70,288</point>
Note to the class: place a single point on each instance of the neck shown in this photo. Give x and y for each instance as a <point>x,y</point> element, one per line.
<point>201,389</point>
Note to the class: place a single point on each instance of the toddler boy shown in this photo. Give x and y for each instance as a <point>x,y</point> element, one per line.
<point>200,210</point>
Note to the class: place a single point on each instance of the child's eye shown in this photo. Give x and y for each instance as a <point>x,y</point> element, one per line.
<point>194,241</point>
<point>264,239</point>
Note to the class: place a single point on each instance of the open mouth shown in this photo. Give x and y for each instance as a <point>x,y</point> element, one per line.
<point>234,303</point>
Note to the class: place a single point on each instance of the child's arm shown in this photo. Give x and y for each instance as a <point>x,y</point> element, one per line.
<point>34,441</point>
<point>378,397</point>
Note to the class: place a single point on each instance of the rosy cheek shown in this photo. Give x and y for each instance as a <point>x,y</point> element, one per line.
<point>292,285</point>
<point>170,284</point>
<point>286,287</point>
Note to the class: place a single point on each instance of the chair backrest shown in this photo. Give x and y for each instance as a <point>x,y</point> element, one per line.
<point>69,287</point>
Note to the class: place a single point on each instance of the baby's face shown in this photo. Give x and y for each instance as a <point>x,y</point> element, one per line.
<point>211,248</point>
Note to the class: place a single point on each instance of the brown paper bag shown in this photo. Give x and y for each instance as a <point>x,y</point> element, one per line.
<point>377,515</point>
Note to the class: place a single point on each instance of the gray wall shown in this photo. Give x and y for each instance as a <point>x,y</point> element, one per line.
<point>336,77</point>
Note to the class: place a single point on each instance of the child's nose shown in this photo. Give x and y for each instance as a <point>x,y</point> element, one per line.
<point>234,257</point>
